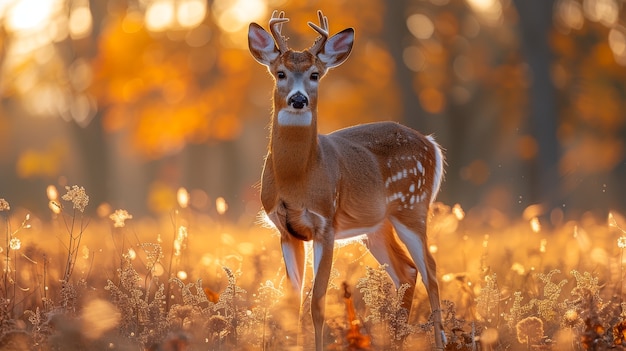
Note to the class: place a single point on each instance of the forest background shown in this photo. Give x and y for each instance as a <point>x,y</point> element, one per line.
<point>135,99</point>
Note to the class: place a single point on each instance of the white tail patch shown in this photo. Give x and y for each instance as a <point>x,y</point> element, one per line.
<point>439,161</point>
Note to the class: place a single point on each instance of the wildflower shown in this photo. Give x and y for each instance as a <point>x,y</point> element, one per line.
<point>221,205</point>
<point>77,196</point>
<point>529,330</point>
<point>15,244</point>
<point>542,245</point>
<point>52,193</point>
<point>132,254</point>
<point>458,212</point>
<point>54,206</point>
<point>119,218</point>
<point>180,239</point>
<point>621,242</point>
<point>4,205</point>
<point>535,225</point>
<point>570,318</point>
<point>612,221</point>
<point>182,195</point>
<point>518,268</point>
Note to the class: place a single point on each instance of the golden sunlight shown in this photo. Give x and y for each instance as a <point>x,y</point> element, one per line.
<point>617,43</point>
<point>569,14</point>
<point>52,193</point>
<point>603,11</point>
<point>80,22</point>
<point>182,196</point>
<point>233,16</point>
<point>159,15</point>
<point>162,15</point>
<point>420,26</point>
<point>221,205</point>
<point>489,10</point>
<point>190,13</point>
<point>26,15</point>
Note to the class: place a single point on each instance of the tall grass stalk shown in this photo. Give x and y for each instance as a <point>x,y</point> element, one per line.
<point>6,270</point>
<point>75,239</point>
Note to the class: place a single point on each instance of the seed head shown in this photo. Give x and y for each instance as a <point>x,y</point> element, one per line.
<point>77,196</point>
<point>4,205</point>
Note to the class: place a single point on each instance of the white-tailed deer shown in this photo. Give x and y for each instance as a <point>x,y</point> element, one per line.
<point>368,179</point>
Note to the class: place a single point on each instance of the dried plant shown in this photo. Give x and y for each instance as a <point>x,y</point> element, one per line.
<point>518,310</point>
<point>458,337</point>
<point>41,328</point>
<point>143,318</point>
<point>529,331</point>
<point>229,306</point>
<point>13,244</point>
<point>143,307</point>
<point>266,298</point>
<point>547,306</point>
<point>79,199</point>
<point>488,301</point>
<point>384,304</point>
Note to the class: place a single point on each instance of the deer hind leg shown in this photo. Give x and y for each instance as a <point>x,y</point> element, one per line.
<point>386,249</point>
<point>415,240</point>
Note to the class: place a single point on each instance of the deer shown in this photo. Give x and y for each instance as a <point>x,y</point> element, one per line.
<point>375,179</point>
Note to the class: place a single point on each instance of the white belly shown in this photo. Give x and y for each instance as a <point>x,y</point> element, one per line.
<point>351,233</point>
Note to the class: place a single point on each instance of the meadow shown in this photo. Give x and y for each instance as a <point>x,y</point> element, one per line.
<point>197,281</point>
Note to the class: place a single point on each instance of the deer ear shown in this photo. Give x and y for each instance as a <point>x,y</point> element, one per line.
<point>261,44</point>
<point>337,48</point>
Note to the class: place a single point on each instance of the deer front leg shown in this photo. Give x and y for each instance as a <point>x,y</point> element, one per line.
<point>322,264</point>
<point>294,257</point>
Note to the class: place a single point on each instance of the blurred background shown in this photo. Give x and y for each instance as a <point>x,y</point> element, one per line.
<point>134,99</point>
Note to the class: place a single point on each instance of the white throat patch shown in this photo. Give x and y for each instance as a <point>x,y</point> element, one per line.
<point>289,118</point>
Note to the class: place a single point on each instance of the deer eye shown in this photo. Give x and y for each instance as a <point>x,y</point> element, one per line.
<point>281,75</point>
<point>315,76</point>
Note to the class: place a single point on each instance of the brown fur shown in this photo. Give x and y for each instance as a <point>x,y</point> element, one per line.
<point>372,178</point>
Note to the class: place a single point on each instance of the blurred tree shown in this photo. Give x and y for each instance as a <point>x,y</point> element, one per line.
<point>589,42</point>
<point>535,22</point>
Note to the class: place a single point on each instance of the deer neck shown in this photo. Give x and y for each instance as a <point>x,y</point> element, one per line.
<point>293,144</point>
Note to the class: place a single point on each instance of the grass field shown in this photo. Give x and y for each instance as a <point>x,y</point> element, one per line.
<point>190,281</point>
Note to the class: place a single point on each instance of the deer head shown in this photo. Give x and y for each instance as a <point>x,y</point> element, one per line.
<point>297,73</point>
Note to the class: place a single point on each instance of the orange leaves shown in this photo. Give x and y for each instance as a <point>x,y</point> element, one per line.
<point>619,333</point>
<point>356,340</point>
<point>33,163</point>
<point>150,89</point>
<point>432,100</point>
<point>592,155</point>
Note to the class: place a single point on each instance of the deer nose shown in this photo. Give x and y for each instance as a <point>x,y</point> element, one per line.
<point>298,100</point>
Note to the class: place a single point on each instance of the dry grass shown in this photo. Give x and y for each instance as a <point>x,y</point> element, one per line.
<point>195,282</point>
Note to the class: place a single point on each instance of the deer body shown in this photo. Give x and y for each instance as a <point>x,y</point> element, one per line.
<point>367,179</point>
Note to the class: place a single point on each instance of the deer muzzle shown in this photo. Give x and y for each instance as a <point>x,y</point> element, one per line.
<point>298,101</point>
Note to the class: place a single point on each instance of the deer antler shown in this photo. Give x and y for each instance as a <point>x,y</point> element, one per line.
<point>276,25</point>
<point>322,29</point>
